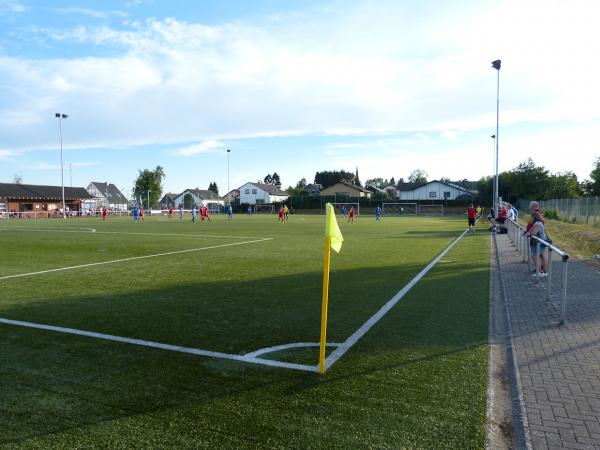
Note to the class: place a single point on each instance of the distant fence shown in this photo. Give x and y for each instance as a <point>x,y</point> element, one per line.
<point>577,210</point>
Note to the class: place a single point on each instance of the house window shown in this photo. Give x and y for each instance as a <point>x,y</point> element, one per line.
<point>254,191</point>
<point>447,194</point>
<point>247,191</point>
<point>432,194</point>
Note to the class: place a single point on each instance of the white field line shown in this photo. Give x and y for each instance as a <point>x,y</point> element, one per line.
<point>134,233</point>
<point>354,338</point>
<point>169,347</point>
<point>279,348</point>
<point>133,258</point>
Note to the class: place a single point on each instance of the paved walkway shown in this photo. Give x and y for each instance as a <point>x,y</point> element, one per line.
<point>558,366</point>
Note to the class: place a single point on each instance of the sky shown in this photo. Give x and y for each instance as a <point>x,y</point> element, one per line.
<point>294,87</point>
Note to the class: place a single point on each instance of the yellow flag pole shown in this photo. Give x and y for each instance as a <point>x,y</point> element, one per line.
<point>326,265</point>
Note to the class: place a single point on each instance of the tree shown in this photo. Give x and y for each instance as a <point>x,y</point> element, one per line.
<point>376,182</point>
<point>445,180</point>
<point>300,188</point>
<point>392,182</point>
<point>356,180</point>
<point>418,176</point>
<point>400,181</point>
<point>17,179</point>
<point>213,187</point>
<point>563,185</point>
<point>149,180</point>
<point>188,201</point>
<point>268,179</point>
<point>592,186</point>
<point>330,177</point>
<point>276,181</point>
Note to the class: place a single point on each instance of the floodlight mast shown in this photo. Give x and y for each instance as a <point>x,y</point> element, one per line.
<point>60,117</point>
<point>228,191</point>
<point>496,65</point>
<point>494,162</point>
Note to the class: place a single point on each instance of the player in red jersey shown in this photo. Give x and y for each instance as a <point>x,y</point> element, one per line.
<point>104,213</point>
<point>351,214</point>
<point>281,215</point>
<point>471,216</point>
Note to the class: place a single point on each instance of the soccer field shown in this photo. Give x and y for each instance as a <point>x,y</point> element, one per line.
<point>162,334</point>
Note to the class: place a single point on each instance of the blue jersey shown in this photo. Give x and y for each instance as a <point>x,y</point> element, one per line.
<point>136,211</point>
<point>378,211</point>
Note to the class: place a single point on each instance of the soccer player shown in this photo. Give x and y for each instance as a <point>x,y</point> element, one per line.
<point>104,213</point>
<point>142,213</point>
<point>229,213</point>
<point>351,215</point>
<point>181,213</point>
<point>170,212</point>
<point>378,214</point>
<point>343,210</point>
<point>136,214</point>
<point>286,211</point>
<point>281,215</point>
<point>249,210</point>
<point>471,216</point>
<point>193,210</point>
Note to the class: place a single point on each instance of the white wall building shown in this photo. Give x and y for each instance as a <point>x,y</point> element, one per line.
<point>434,190</point>
<point>105,195</point>
<point>259,194</point>
<point>201,197</point>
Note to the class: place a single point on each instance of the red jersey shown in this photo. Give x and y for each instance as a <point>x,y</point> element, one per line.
<point>351,212</point>
<point>471,213</point>
<point>502,214</point>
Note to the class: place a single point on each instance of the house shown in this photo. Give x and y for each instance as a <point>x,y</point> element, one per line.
<point>343,189</point>
<point>42,201</point>
<point>232,196</point>
<point>168,200</point>
<point>314,189</point>
<point>433,190</point>
<point>260,193</point>
<point>200,197</point>
<point>105,194</point>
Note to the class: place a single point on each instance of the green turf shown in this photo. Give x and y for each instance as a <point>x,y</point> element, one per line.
<point>416,380</point>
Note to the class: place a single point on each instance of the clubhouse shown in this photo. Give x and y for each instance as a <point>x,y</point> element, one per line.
<point>44,201</point>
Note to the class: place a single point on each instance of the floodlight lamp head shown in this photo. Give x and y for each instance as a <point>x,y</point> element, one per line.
<point>493,136</point>
<point>64,116</point>
<point>57,115</point>
<point>496,64</point>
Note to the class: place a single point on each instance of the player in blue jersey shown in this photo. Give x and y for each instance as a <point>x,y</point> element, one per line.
<point>181,213</point>
<point>229,213</point>
<point>378,214</point>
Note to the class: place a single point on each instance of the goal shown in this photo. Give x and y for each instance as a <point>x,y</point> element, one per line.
<point>399,209</point>
<point>431,210</point>
<point>338,207</point>
<point>266,208</point>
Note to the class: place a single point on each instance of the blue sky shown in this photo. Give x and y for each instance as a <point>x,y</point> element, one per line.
<point>294,87</point>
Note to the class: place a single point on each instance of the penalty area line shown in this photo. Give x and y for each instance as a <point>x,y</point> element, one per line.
<point>370,323</point>
<point>133,258</point>
<point>158,345</point>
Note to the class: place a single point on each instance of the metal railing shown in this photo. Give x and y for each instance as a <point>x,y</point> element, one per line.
<point>517,235</point>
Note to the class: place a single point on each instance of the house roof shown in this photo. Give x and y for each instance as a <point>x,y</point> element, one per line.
<point>203,193</point>
<point>270,189</point>
<point>36,192</point>
<point>404,187</point>
<point>353,186</point>
<point>110,192</point>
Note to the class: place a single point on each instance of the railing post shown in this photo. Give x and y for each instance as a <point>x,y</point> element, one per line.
<point>537,261</point>
<point>563,297</point>
<point>549,270</point>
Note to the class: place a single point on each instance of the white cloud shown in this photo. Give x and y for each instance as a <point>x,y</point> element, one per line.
<point>344,71</point>
<point>202,147</point>
<point>94,13</point>
<point>9,6</point>
<point>45,166</point>
<point>5,154</point>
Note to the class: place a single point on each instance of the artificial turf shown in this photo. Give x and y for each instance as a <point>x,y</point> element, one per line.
<point>416,380</point>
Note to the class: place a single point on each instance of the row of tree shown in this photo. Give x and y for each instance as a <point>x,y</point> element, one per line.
<point>529,181</point>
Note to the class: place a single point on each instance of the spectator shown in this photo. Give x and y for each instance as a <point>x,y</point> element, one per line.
<point>538,230</point>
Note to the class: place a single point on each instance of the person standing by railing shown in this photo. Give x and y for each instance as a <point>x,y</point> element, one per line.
<point>538,230</point>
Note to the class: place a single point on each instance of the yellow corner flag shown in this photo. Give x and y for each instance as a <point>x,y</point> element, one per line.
<point>333,240</point>
<point>332,230</point>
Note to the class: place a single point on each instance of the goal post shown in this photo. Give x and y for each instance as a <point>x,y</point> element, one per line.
<point>399,209</point>
<point>264,208</point>
<point>431,210</point>
<point>338,207</point>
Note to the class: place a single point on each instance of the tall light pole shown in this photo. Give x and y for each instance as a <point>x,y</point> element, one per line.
<point>60,117</point>
<point>148,205</point>
<point>496,65</point>
<point>228,191</point>
<point>493,136</point>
